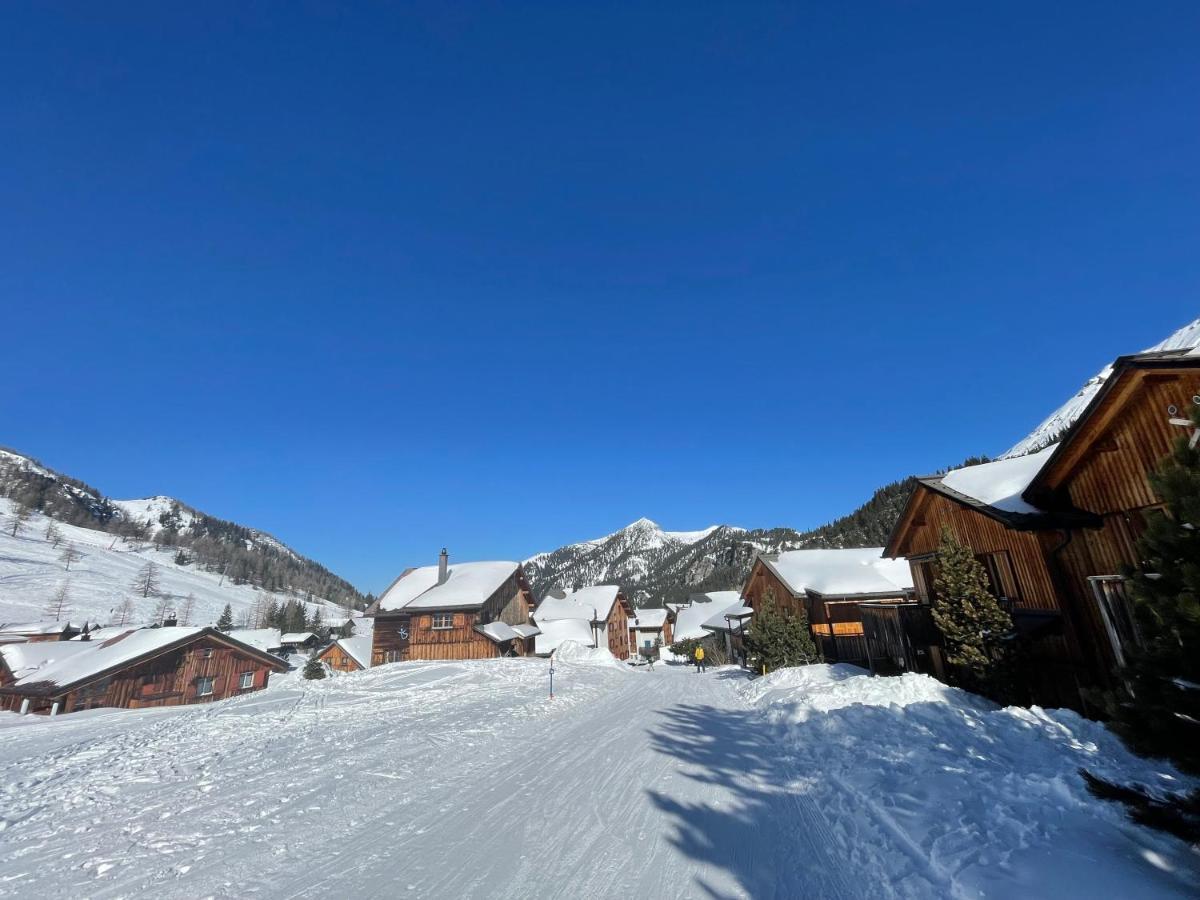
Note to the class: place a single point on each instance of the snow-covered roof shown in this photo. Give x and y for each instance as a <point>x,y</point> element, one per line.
<point>466,584</point>
<point>497,631</point>
<point>649,619</point>
<point>358,648</point>
<point>34,627</point>
<point>836,573</point>
<point>60,664</point>
<point>734,622</point>
<point>260,638</point>
<point>296,637</point>
<point>526,631</point>
<point>999,484</point>
<point>689,620</point>
<point>557,631</point>
<point>591,604</point>
<point>25,657</point>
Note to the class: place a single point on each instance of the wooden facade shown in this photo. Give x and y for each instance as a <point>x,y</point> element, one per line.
<point>201,668</point>
<point>616,627</point>
<point>1064,565</point>
<point>338,659</point>
<point>452,633</point>
<point>835,620</point>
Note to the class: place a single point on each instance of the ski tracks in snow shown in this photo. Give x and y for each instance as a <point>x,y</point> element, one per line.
<point>439,780</point>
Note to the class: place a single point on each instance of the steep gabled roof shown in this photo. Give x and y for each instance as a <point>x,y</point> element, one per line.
<point>87,661</point>
<point>840,573</point>
<point>467,585</point>
<point>592,604</point>
<point>1118,390</point>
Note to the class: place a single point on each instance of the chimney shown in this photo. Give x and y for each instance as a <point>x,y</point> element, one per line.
<point>443,566</point>
<point>170,620</point>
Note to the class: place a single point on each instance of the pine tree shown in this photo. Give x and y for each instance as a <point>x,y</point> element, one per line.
<point>775,639</point>
<point>1157,709</point>
<point>972,621</point>
<point>225,623</point>
<point>146,582</point>
<point>69,555</point>
<point>314,668</point>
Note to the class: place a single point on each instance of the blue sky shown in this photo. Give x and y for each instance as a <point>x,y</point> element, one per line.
<point>508,276</point>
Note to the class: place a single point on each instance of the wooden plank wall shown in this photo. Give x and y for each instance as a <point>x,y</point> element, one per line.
<point>1035,587</point>
<point>1112,476</point>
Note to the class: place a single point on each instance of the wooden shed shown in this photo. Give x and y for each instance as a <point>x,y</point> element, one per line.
<point>440,612</point>
<point>133,669</point>
<point>828,586</point>
<point>348,654</point>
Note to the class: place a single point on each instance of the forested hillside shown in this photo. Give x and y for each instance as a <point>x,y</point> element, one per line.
<point>243,555</point>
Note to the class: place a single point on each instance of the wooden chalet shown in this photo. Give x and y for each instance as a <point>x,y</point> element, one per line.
<point>477,610</point>
<point>296,641</point>
<point>828,586</point>
<point>603,607</point>
<point>133,669</point>
<point>348,654</point>
<point>1055,528</point>
<point>37,632</point>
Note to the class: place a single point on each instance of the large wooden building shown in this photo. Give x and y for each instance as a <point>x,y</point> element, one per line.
<point>475,610</point>
<point>1055,528</point>
<point>603,607</point>
<point>133,669</point>
<point>828,586</point>
<point>348,654</point>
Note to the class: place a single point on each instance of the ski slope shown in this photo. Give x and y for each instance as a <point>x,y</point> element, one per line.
<point>31,572</point>
<point>462,780</point>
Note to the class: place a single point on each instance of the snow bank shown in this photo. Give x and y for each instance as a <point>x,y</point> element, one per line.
<point>576,654</point>
<point>989,800</point>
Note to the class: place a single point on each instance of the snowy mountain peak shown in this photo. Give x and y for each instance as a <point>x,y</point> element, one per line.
<point>1049,431</point>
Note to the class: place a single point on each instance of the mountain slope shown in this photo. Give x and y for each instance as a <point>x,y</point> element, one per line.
<point>654,566</point>
<point>101,579</point>
<point>1053,426</point>
<point>244,555</point>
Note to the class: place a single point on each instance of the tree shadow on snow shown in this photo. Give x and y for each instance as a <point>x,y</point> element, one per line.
<point>839,803</point>
<point>769,836</point>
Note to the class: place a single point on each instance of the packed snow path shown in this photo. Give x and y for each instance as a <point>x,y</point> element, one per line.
<point>463,780</point>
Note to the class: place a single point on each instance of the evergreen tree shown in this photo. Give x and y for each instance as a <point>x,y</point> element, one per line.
<point>225,623</point>
<point>1157,709</point>
<point>182,558</point>
<point>775,639</point>
<point>314,668</point>
<point>972,621</point>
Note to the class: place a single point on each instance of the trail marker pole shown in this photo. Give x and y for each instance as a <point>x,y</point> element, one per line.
<point>552,678</point>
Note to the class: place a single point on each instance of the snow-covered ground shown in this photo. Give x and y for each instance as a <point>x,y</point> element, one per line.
<point>31,572</point>
<point>464,780</point>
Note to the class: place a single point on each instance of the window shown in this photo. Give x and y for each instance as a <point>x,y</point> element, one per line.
<point>204,686</point>
<point>1116,611</point>
<point>246,681</point>
<point>443,620</point>
<point>1001,580</point>
<point>205,652</point>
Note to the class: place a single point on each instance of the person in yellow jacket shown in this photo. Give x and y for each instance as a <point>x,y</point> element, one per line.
<point>699,657</point>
